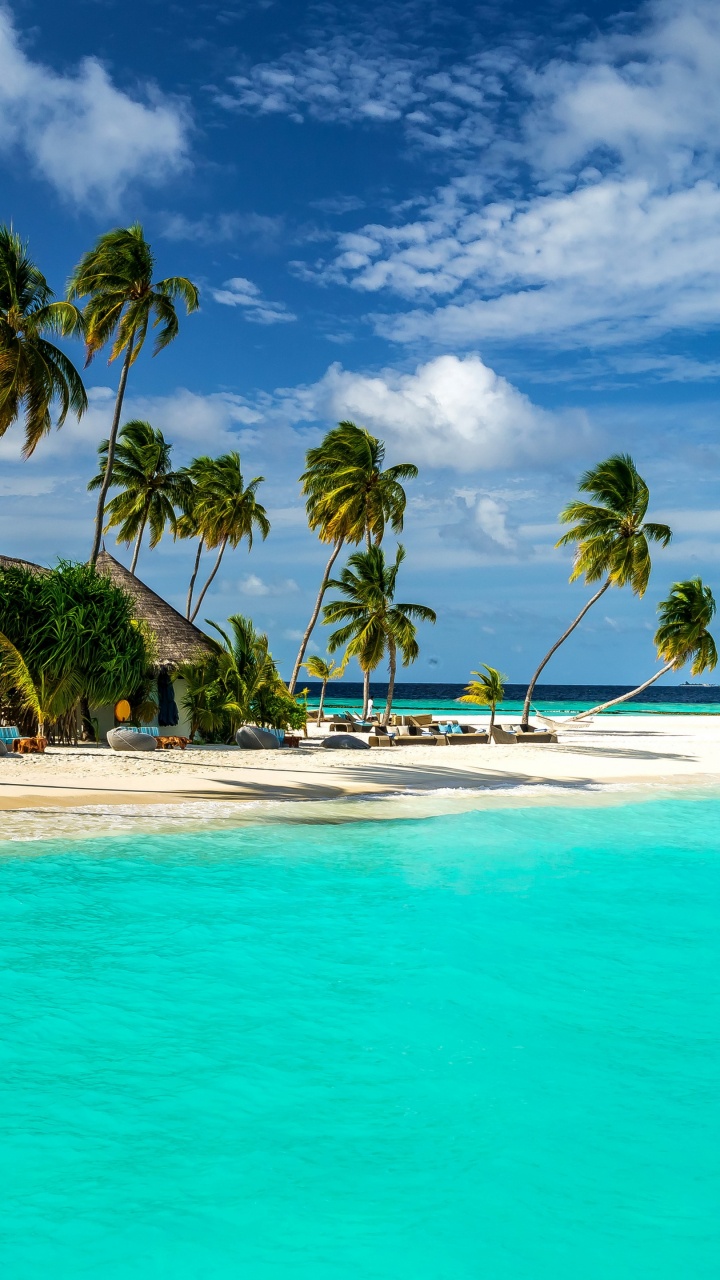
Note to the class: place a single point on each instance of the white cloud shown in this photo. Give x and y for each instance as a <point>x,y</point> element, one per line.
<point>252,585</point>
<point>240,292</point>
<point>617,233</point>
<point>450,412</point>
<point>81,133</point>
<point>260,230</point>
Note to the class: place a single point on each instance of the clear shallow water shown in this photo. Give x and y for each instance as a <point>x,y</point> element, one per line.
<point>481,1045</point>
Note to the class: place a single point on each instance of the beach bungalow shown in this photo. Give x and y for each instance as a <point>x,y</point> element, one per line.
<point>177,641</point>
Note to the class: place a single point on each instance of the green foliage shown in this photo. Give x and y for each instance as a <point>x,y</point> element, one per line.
<point>487,691</point>
<point>348,494</point>
<point>34,373</point>
<point>238,684</point>
<point>76,636</point>
<point>116,276</point>
<point>611,536</point>
<point>683,632</point>
<point>372,619</point>
<point>150,491</point>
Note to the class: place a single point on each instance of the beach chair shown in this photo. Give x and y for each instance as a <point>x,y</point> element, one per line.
<point>9,734</point>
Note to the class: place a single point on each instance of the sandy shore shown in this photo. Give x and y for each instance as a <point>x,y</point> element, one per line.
<point>642,750</point>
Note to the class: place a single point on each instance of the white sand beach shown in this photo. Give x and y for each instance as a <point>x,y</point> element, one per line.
<point>630,750</point>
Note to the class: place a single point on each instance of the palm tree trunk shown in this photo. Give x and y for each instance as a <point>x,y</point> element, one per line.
<point>100,513</point>
<point>492,721</point>
<point>548,656</point>
<point>138,540</point>
<point>322,701</point>
<point>191,588</point>
<point>391,681</point>
<point>315,614</point>
<point>624,696</point>
<point>214,570</point>
<point>366,693</point>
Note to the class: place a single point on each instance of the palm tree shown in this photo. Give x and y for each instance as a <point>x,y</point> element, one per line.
<point>319,669</point>
<point>117,278</point>
<point>226,510</point>
<point>487,691</point>
<point>348,498</point>
<point>150,490</point>
<point>45,697</point>
<point>374,624</point>
<point>190,523</point>
<point>33,372</point>
<point>610,537</point>
<point>683,634</point>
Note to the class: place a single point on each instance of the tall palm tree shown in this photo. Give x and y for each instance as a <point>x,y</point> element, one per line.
<point>116,276</point>
<point>349,498</point>
<point>34,373</point>
<point>150,490</point>
<point>487,691</point>
<point>320,669</point>
<point>683,634</point>
<point>227,511</point>
<point>374,623</point>
<point>610,537</point>
<point>195,514</point>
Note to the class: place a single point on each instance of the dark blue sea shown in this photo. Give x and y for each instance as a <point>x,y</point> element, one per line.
<point>552,699</point>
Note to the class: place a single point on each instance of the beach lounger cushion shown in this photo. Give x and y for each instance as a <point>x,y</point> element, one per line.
<point>346,741</point>
<point>8,732</point>
<point>252,738</point>
<point>130,740</point>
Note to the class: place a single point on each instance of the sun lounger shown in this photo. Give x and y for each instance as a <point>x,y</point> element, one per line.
<point>503,738</point>
<point>11,738</point>
<point>466,739</point>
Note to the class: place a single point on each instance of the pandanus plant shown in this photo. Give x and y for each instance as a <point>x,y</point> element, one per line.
<point>682,637</point>
<point>611,538</point>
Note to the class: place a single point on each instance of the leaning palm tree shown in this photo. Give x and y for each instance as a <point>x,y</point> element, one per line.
<point>227,511</point>
<point>682,635</point>
<point>320,669</point>
<point>487,691</point>
<point>116,277</point>
<point>373,622</point>
<point>34,373</point>
<point>349,498</point>
<point>610,537</point>
<point>150,491</point>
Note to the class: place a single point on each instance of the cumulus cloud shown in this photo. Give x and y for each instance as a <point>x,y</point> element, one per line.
<point>240,292</point>
<point>252,585</point>
<point>257,229</point>
<point>450,412</point>
<point>82,134</point>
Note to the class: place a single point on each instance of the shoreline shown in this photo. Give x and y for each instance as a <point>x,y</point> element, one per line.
<point>634,755</point>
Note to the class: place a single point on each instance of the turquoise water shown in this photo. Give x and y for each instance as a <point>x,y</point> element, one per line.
<point>482,1045</point>
<point>510,708</point>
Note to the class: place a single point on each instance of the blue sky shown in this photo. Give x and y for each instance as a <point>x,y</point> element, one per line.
<point>489,233</point>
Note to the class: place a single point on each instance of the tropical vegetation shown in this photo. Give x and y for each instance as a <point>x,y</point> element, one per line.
<point>116,278</point>
<point>150,491</point>
<point>611,538</point>
<point>373,623</point>
<point>323,670</point>
<point>238,683</point>
<point>68,638</point>
<point>35,374</point>
<point>682,637</point>
<point>488,690</point>
<point>349,498</point>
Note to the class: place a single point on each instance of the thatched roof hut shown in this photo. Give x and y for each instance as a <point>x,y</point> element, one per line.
<point>11,562</point>
<point>177,640</point>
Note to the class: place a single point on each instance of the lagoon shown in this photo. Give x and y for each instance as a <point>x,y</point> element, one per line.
<point>480,1044</point>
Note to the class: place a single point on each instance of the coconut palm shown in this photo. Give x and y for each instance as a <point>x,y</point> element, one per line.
<point>150,490</point>
<point>611,539</point>
<point>349,497</point>
<point>373,622</point>
<point>682,635</point>
<point>34,373</point>
<point>45,697</point>
<point>487,691</point>
<point>190,523</point>
<point>116,276</point>
<point>320,669</point>
<point>227,510</point>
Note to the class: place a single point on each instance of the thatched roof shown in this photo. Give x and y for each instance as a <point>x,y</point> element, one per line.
<point>177,639</point>
<point>10,562</point>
